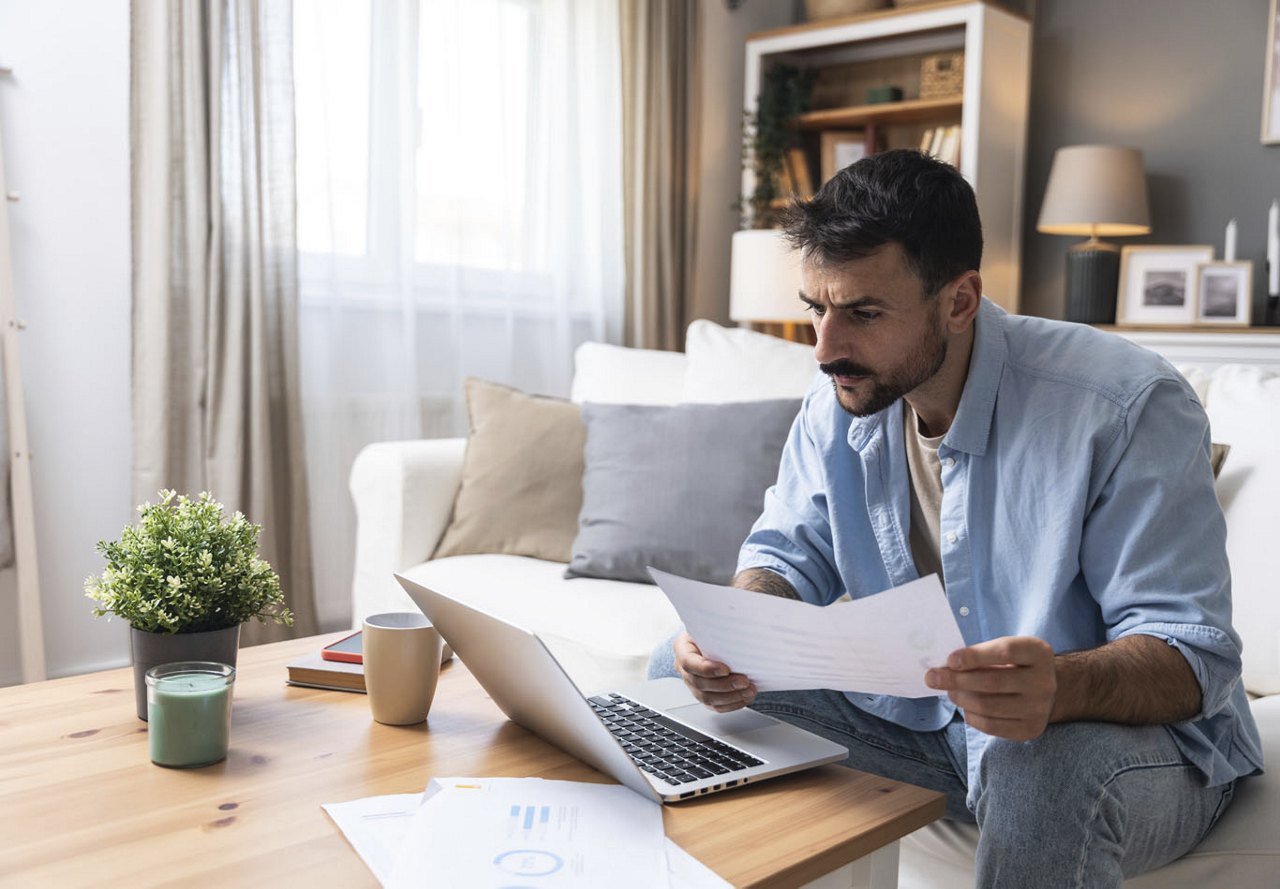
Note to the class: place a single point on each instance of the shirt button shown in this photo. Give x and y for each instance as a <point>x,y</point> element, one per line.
<point>952,537</point>
<point>964,610</point>
<point>949,462</point>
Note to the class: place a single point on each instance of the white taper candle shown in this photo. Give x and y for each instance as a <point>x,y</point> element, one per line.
<point>1273,250</point>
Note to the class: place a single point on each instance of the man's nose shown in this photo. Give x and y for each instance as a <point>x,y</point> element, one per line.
<point>827,347</point>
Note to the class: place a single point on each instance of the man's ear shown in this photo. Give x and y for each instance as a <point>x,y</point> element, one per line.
<point>965,294</point>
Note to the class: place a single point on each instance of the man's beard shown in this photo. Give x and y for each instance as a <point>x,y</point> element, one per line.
<point>919,367</point>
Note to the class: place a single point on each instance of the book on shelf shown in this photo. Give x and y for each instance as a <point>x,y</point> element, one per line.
<point>313,671</point>
<point>942,143</point>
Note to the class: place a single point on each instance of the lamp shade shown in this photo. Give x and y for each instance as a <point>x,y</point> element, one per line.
<point>764,278</point>
<point>1095,190</point>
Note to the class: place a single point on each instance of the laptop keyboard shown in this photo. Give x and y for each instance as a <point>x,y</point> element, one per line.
<point>665,748</point>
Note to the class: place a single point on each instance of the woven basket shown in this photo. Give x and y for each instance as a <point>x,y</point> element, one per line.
<point>942,74</point>
<point>831,9</point>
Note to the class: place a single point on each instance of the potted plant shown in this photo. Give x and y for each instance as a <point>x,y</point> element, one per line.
<point>769,133</point>
<point>185,579</point>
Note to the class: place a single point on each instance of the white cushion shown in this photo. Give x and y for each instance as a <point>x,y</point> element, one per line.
<point>1242,851</point>
<point>619,375</point>
<point>738,364</point>
<point>1244,411</point>
<point>601,631</point>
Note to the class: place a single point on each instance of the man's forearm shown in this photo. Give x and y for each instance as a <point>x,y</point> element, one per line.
<point>1136,680</point>
<point>762,580</point>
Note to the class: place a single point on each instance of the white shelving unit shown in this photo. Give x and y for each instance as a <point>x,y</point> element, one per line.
<point>991,109</point>
<point>1209,348</point>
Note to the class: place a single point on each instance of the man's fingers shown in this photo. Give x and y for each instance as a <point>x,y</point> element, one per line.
<point>711,682</point>
<point>1021,651</point>
<point>992,680</point>
<point>690,660</point>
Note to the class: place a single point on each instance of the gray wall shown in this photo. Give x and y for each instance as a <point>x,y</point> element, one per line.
<point>1180,79</point>
<point>722,47</point>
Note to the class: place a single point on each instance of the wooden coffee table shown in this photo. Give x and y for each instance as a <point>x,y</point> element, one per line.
<point>84,806</point>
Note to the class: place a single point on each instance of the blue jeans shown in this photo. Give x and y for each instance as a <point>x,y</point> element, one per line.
<point>1087,804</point>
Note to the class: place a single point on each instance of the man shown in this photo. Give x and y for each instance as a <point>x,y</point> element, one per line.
<point>1058,481</point>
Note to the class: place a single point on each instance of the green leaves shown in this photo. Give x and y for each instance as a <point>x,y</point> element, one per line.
<point>184,569</point>
<point>768,133</point>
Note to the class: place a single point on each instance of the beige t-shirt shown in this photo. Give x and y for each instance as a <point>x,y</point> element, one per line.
<point>926,495</point>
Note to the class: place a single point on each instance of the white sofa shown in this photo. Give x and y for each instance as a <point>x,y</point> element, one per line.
<point>604,630</point>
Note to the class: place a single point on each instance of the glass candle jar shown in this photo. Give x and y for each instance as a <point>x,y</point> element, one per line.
<point>189,713</point>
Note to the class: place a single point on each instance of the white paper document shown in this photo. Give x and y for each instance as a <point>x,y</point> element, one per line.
<point>492,832</point>
<point>881,644</point>
<point>511,832</point>
<point>375,827</point>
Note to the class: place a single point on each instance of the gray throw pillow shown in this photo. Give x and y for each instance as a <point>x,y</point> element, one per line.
<point>677,488</point>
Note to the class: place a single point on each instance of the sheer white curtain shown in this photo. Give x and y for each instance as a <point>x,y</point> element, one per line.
<point>459,214</point>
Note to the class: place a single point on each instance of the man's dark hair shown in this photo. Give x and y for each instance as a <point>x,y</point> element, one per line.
<point>901,195</point>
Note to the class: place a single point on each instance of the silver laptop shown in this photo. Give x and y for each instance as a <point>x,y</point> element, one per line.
<point>654,737</point>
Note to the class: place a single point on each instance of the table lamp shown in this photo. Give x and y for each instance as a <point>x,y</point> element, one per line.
<point>1094,190</point>
<point>764,280</point>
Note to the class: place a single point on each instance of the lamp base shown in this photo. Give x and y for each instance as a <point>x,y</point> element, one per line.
<point>1093,277</point>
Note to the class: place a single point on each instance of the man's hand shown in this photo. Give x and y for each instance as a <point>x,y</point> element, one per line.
<point>711,682</point>
<point>1006,687</point>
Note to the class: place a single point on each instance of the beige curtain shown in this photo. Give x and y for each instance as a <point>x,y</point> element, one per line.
<point>660,97</point>
<point>216,402</point>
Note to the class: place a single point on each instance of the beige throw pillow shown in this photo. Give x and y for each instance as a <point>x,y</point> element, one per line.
<point>1218,456</point>
<point>521,485</point>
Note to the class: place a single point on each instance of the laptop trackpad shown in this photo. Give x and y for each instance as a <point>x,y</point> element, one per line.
<point>736,723</point>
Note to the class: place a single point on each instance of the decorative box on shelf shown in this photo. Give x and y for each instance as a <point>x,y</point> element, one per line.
<point>942,74</point>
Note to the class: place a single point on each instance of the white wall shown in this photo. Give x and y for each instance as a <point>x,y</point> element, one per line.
<point>64,116</point>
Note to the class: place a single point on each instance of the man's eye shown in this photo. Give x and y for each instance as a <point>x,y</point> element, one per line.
<point>816,308</point>
<point>864,315</point>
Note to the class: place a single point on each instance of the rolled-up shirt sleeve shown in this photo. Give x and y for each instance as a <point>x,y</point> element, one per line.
<point>793,535</point>
<point>1153,550</point>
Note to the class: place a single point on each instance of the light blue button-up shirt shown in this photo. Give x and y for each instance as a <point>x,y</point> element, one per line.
<point>1078,506</point>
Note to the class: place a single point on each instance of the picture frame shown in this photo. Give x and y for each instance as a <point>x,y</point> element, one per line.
<point>1271,88</point>
<point>841,148</point>
<point>1158,284</point>
<point>1224,294</point>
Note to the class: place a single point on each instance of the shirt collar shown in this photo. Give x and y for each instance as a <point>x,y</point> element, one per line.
<point>972,426</point>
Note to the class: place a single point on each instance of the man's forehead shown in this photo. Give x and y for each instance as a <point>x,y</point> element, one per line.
<point>867,275</point>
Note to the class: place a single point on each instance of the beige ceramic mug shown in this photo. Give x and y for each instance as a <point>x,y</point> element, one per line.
<point>401,666</point>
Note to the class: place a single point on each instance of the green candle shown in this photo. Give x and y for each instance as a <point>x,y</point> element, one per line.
<point>189,713</point>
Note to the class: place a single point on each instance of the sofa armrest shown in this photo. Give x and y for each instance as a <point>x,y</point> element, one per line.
<point>403,493</point>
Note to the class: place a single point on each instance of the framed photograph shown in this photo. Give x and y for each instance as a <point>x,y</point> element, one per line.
<point>1271,89</point>
<point>1158,284</point>
<point>1225,293</point>
<point>841,148</point>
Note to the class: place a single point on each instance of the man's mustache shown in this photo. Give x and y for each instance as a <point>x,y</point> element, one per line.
<point>844,368</point>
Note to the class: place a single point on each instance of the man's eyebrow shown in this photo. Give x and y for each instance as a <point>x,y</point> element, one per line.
<point>860,302</point>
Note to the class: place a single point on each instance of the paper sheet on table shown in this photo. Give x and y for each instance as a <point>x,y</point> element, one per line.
<point>492,831</point>
<point>881,644</point>
<point>376,826</point>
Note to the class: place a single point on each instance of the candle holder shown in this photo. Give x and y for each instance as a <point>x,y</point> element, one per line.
<point>189,713</point>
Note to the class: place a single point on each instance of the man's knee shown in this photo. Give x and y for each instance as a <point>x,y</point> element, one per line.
<point>662,660</point>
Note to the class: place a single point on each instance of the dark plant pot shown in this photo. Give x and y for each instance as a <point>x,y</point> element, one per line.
<point>152,649</point>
